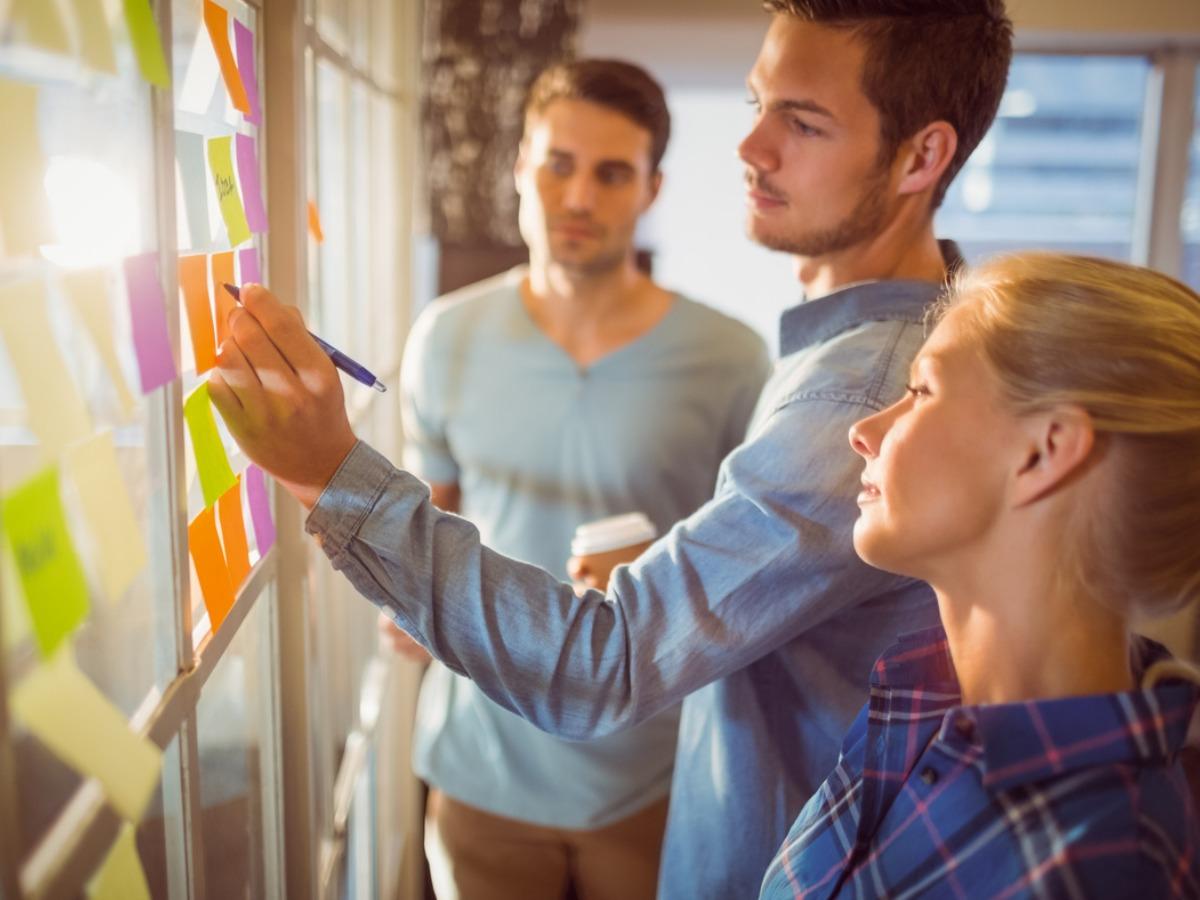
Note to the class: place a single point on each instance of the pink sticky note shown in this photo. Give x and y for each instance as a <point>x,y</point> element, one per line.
<point>243,37</point>
<point>148,313</point>
<point>248,263</point>
<point>247,163</point>
<point>260,508</point>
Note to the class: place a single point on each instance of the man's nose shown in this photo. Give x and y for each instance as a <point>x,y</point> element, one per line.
<point>757,152</point>
<point>580,194</point>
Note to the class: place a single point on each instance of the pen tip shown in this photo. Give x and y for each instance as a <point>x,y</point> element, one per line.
<point>379,386</point>
<point>232,289</point>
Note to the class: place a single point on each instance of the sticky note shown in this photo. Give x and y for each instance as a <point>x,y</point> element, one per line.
<point>193,284</point>
<point>80,725</point>
<point>259,501</point>
<point>14,614</point>
<point>24,214</point>
<point>221,164</point>
<point>247,161</point>
<point>200,79</point>
<point>108,511</point>
<point>222,274</point>
<point>121,877</point>
<point>211,570</point>
<point>189,166</point>
<point>212,465</point>
<point>243,39</point>
<point>233,534</point>
<point>87,289</point>
<point>42,23</point>
<point>148,314</point>
<point>52,578</point>
<point>216,20</point>
<point>96,46</point>
<point>147,45</point>
<point>54,408</point>
<point>314,223</point>
<point>250,272</point>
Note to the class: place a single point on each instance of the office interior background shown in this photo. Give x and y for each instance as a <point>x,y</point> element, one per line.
<point>283,734</point>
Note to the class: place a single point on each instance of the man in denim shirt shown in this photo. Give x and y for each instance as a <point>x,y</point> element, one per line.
<point>755,610</point>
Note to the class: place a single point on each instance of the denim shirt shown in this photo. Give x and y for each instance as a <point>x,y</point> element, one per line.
<point>754,611</point>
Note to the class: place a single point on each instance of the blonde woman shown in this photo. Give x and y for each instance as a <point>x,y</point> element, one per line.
<point>1042,473</point>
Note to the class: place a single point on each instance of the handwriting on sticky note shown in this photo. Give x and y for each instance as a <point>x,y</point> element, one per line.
<point>216,20</point>
<point>247,160</point>
<point>88,291</point>
<point>108,511</point>
<point>147,45</point>
<point>221,163</point>
<point>52,578</point>
<point>24,213</point>
<point>212,463</point>
<point>211,569</point>
<point>81,726</point>
<point>54,408</point>
<point>259,500</point>
<point>121,877</point>
<point>148,315</point>
<point>96,45</point>
<point>233,534</point>
<point>243,38</point>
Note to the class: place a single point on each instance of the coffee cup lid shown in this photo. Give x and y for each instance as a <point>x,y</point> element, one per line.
<point>612,533</point>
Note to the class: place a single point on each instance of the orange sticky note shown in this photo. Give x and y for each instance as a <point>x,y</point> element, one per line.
<point>216,20</point>
<point>193,281</point>
<point>314,223</point>
<point>222,274</point>
<point>211,570</point>
<point>233,534</point>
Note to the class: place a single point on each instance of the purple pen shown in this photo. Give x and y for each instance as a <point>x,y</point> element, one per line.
<point>358,372</point>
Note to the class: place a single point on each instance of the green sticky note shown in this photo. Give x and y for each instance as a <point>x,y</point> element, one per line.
<point>147,45</point>
<point>216,477</point>
<point>55,587</point>
<point>221,163</point>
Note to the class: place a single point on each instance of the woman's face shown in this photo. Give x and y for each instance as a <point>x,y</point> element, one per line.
<point>938,461</point>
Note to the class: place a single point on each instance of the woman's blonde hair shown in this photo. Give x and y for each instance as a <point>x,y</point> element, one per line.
<point>1123,343</point>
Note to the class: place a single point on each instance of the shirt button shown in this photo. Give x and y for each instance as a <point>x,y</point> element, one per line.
<point>965,727</point>
<point>929,775</point>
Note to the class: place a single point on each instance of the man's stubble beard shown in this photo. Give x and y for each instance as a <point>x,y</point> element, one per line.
<point>603,263</point>
<point>864,222</point>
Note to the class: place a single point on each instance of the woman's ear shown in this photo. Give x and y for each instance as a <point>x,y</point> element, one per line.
<point>1057,448</point>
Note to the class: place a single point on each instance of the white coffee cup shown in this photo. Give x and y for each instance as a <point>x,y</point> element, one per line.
<point>599,547</point>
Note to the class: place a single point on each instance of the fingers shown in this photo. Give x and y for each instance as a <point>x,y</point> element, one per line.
<point>223,396</point>
<point>272,370</point>
<point>284,325</point>
<point>233,374</point>
<point>576,568</point>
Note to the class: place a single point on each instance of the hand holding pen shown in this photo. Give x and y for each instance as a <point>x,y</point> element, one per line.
<point>355,370</point>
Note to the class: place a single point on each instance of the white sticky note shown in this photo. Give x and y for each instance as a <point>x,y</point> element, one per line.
<point>116,534</point>
<point>88,291</point>
<point>122,876</point>
<point>203,73</point>
<point>68,714</point>
<point>53,407</point>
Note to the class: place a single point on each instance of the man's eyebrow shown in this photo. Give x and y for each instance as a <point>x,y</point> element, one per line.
<point>810,106</point>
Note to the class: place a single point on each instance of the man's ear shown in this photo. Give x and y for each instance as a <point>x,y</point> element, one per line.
<point>925,157</point>
<point>1057,449</point>
<point>656,181</point>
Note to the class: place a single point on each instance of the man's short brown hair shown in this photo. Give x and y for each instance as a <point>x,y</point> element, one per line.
<point>612,83</point>
<point>926,61</point>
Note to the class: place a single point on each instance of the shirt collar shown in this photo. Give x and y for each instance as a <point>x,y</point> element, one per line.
<point>815,321</point>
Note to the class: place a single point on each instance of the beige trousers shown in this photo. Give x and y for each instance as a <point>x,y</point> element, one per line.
<point>474,855</point>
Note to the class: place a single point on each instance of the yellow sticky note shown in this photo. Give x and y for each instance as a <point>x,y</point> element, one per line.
<point>88,292</point>
<point>52,579</point>
<point>53,406</point>
<point>120,548</point>
<point>96,46</point>
<point>42,23</point>
<point>68,714</point>
<point>122,876</point>
<point>220,161</point>
<point>13,617</point>
<point>212,464</point>
<point>147,45</point>
<point>24,214</point>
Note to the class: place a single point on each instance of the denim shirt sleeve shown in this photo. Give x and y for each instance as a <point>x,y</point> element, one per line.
<point>768,558</point>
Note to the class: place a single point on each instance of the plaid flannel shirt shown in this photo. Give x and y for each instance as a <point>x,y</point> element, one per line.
<point>1077,797</point>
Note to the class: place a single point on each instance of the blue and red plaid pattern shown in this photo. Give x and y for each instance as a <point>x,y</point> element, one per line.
<point>1078,797</point>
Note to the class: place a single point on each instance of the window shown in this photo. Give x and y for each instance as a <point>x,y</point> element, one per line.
<point>1190,222</point>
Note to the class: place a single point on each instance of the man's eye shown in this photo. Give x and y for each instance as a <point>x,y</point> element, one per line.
<point>917,390</point>
<point>802,127</point>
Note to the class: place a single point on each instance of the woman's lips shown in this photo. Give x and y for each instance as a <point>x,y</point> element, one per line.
<point>868,494</point>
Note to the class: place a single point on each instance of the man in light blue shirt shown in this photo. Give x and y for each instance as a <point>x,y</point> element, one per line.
<point>534,402</point>
<point>755,609</point>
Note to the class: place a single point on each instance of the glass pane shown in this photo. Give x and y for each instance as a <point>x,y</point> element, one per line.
<point>1191,206</point>
<point>357,305</point>
<point>331,23</point>
<point>1059,168</point>
<point>387,218</point>
<point>332,128</point>
<point>384,18</point>
<point>230,722</point>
